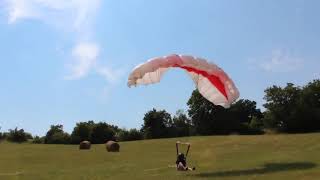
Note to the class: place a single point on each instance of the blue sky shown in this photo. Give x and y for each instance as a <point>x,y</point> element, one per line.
<point>68,61</point>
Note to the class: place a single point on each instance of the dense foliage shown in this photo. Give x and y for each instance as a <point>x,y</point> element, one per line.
<point>129,135</point>
<point>18,135</point>
<point>156,124</point>
<point>56,135</point>
<point>96,133</point>
<point>82,132</point>
<point>211,119</point>
<point>160,124</point>
<point>291,109</point>
<point>1,135</point>
<point>38,140</point>
<point>101,133</point>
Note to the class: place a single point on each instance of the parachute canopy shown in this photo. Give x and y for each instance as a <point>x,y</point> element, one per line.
<point>211,81</point>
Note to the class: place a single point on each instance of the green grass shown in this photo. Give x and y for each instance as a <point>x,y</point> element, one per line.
<point>215,157</point>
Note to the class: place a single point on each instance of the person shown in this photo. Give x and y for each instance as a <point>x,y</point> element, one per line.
<point>181,162</point>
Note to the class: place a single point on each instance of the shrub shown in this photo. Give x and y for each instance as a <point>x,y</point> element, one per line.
<point>131,135</point>
<point>56,135</point>
<point>17,135</point>
<point>38,140</point>
<point>60,138</point>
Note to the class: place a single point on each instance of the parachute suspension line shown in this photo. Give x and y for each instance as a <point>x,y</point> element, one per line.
<point>182,143</point>
<point>188,150</point>
<point>177,148</point>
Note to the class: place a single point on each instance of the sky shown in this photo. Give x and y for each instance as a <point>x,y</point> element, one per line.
<point>62,62</point>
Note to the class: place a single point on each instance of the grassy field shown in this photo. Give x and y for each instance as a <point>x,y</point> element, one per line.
<point>215,157</point>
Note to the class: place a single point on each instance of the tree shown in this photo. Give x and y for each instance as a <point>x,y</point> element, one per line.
<point>182,125</point>
<point>281,105</point>
<point>308,110</point>
<point>255,126</point>
<point>101,133</point>
<point>293,109</point>
<point>60,138</point>
<point>208,118</point>
<point>245,110</point>
<point>129,135</point>
<point>1,135</point>
<point>56,135</point>
<point>17,135</point>
<point>94,132</point>
<point>82,131</point>
<point>38,140</point>
<point>156,124</point>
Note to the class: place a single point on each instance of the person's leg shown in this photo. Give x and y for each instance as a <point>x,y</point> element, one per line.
<point>180,167</point>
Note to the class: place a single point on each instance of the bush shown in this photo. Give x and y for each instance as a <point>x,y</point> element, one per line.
<point>256,124</point>
<point>60,138</point>
<point>17,135</point>
<point>38,140</point>
<point>4,135</point>
<point>246,129</point>
<point>131,135</point>
<point>56,135</point>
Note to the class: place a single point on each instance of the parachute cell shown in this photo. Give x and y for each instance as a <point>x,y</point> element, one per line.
<point>211,81</point>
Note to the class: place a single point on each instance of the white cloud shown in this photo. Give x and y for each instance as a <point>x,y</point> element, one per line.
<point>74,15</point>
<point>84,59</point>
<point>111,75</point>
<point>19,9</point>
<point>278,61</point>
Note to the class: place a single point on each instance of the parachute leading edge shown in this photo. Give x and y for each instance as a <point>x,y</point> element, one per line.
<point>211,81</point>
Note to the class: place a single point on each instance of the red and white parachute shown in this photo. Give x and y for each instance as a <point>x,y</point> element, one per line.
<point>212,82</point>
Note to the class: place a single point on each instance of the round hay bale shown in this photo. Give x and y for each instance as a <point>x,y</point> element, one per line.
<point>85,145</point>
<point>112,146</point>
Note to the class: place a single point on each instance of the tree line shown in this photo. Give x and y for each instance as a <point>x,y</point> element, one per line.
<point>289,109</point>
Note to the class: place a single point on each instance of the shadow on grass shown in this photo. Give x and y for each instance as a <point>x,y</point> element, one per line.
<point>267,168</point>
